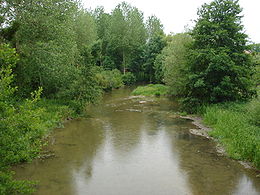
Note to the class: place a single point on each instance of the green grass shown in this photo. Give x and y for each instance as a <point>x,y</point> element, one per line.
<point>237,127</point>
<point>151,90</point>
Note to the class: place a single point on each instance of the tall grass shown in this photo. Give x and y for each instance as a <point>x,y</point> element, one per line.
<point>237,127</point>
<point>151,90</point>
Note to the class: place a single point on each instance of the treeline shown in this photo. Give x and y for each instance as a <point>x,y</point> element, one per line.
<point>213,62</point>
<point>55,58</point>
<point>62,46</point>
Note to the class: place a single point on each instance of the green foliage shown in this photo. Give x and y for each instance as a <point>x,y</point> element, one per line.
<point>158,69</point>
<point>175,68</point>
<point>47,44</point>
<point>237,127</point>
<point>85,29</point>
<point>8,56</point>
<point>151,90</point>
<point>255,48</point>
<point>55,47</point>
<point>83,89</point>
<point>128,43</point>
<point>22,125</point>
<point>109,79</point>
<point>154,27</point>
<point>129,78</point>
<point>220,69</point>
<point>152,50</point>
<point>256,62</point>
<point>8,59</point>
<point>10,186</point>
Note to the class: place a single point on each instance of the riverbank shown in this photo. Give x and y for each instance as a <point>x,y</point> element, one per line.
<point>234,125</point>
<point>134,141</point>
<point>205,131</point>
<point>236,128</point>
<point>27,124</point>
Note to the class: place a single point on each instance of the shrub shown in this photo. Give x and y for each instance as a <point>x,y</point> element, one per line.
<point>129,78</point>
<point>109,79</point>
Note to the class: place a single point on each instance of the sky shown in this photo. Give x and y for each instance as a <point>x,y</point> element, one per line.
<point>176,14</point>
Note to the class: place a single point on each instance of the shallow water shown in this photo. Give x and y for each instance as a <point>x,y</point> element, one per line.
<point>135,145</point>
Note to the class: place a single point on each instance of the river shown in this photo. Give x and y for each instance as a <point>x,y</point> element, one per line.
<point>135,146</point>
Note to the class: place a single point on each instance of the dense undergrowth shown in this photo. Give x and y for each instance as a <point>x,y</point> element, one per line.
<point>25,124</point>
<point>237,127</point>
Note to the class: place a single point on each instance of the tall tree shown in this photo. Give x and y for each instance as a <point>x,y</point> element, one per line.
<point>154,45</point>
<point>85,29</point>
<point>175,66</point>
<point>46,41</point>
<point>220,68</point>
<point>153,48</point>
<point>99,49</point>
<point>127,34</point>
<point>154,27</point>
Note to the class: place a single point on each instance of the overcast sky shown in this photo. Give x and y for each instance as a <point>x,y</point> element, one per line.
<point>176,14</point>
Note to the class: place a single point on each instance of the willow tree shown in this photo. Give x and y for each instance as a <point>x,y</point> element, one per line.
<point>220,68</point>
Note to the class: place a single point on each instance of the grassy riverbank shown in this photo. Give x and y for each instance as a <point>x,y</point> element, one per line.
<point>151,90</point>
<point>26,124</point>
<point>237,127</point>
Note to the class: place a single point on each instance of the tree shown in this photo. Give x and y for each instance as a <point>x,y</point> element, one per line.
<point>46,42</point>
<point>175,67</point>
<point>255,47</point>
<point>154,45</point>
<point>154,27</point>
<point>99,49</point>
<point>85,29</point>
<point>152,50</point>
<point>127,34</point>
<point>220,68</point>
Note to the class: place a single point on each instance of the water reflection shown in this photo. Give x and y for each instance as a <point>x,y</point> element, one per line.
<point>129,146</point>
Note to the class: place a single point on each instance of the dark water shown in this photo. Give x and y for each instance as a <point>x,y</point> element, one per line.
<point>135,146</point>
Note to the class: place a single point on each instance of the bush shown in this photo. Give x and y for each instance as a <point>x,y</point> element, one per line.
<point>151,90</point>
<point>83,89</point>
<point>109,79</point>
<point>129,78</point>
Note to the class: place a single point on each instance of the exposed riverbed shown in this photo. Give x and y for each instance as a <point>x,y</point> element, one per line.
<point>135,146</point>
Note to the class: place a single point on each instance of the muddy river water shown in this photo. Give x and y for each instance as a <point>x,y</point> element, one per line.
<point>135,146</point>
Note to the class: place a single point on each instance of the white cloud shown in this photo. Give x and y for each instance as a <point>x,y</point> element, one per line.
<point>176,14</point>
